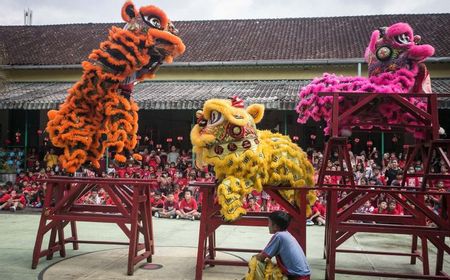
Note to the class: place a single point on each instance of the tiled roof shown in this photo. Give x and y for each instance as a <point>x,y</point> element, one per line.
<point>178,95</point>
<point>226,40</point>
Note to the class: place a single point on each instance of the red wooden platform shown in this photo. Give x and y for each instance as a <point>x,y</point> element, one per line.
<point>132,207</point>
<point>211,220</point>
<point>341,214</point>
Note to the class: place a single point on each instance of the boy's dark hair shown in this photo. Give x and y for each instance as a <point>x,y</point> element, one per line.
<point>187,190</point>
<point>281,219</point>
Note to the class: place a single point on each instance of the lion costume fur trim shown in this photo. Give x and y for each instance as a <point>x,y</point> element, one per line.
<point>95,115</point>
<point>266,158</point>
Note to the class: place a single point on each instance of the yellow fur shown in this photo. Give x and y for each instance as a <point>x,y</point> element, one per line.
<point>267,159</point>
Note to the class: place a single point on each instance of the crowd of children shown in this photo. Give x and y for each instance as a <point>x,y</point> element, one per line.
<point>172,197</point>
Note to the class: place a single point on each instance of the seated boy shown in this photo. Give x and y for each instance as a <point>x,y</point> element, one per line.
<point>169,209</point>
<point>188,207</point>
<point>291,261</point>
<point>16,201</point>
<point>157,203</point>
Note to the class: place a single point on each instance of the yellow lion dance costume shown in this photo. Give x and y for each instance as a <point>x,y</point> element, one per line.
<point>245,158</point>
<point>99,111</point>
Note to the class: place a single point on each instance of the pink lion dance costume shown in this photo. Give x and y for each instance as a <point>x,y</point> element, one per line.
<point>395,66</point>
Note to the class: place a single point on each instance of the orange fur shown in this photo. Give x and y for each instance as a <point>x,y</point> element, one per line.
<point>95,115</point>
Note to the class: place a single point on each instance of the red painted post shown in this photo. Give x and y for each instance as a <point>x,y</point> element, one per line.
<point>133,193</point>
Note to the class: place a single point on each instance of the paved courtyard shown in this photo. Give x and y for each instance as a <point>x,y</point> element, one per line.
<point>176,243</point>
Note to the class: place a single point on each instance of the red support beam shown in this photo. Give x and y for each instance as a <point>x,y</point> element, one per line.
<point>211,220</point>
<point>132,207</point>
<point>341,225</point>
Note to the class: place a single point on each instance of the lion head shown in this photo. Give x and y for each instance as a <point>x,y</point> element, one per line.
<point>162,41</point>
<point>224,127</point>
<point>395,47</point>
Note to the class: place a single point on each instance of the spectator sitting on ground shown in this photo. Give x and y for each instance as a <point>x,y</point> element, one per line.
<point>252,205</point>
<point>93,198</point>
<point>4,196</point>
<point>188,207</point>
<point>291,260</point>
<point>157,203</point>
<point>318,213</point>
<point>382,208</point>
<point>367,208</point>
<point>394,209</point>
<point>169,208</point>
<point>273,205</point>
<point>16,201</point>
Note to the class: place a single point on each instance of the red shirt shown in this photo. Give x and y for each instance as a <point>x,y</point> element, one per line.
<point>380,211</point>
<point>4,198</point>
<point>273,207</point>
<point>255,207</point>
<point>170,205</point>
<point>157,203</point>
<point>121,172</point>
<point>21,198</point>
<point>188,206</point>
<point>319,207</point>
<point>182,182</point>
<point>154,185</point>
<point>393,212</point>
<point>22,179</point>
<point>109,201</point>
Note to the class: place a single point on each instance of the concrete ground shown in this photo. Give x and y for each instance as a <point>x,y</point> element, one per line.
<point>176,244</point>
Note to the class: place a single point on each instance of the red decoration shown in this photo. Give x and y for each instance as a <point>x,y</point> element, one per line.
<point>295,138</point>
<point>158,146</point>
<point>237,102</point>
<point>169,140</point>
<point>180,138</point>
<point>369,143</point>
<point>18,134</point>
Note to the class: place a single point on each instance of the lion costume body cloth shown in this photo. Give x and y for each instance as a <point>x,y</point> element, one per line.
<point>99,111</point>
<point>245,158</point>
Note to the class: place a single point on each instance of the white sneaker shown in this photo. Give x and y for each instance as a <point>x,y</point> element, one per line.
<point>156,215</point>
<point>193,218</point>
<point>309,223</point>
<point>13,209</point>
<point>177,217</point>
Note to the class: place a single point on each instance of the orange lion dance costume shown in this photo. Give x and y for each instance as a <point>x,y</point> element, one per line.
<point>99,111</point>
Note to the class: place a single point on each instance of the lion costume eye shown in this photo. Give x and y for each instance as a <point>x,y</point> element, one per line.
<point>153,21</point>
<point>215,118</point>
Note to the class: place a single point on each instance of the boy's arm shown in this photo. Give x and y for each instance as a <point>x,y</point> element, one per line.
<point>272,249</point>
<point>262,256</point>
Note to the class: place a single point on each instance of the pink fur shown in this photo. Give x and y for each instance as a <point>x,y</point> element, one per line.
<point>396,75</point>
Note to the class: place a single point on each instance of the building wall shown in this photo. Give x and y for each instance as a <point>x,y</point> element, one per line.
<point>437,70</point>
